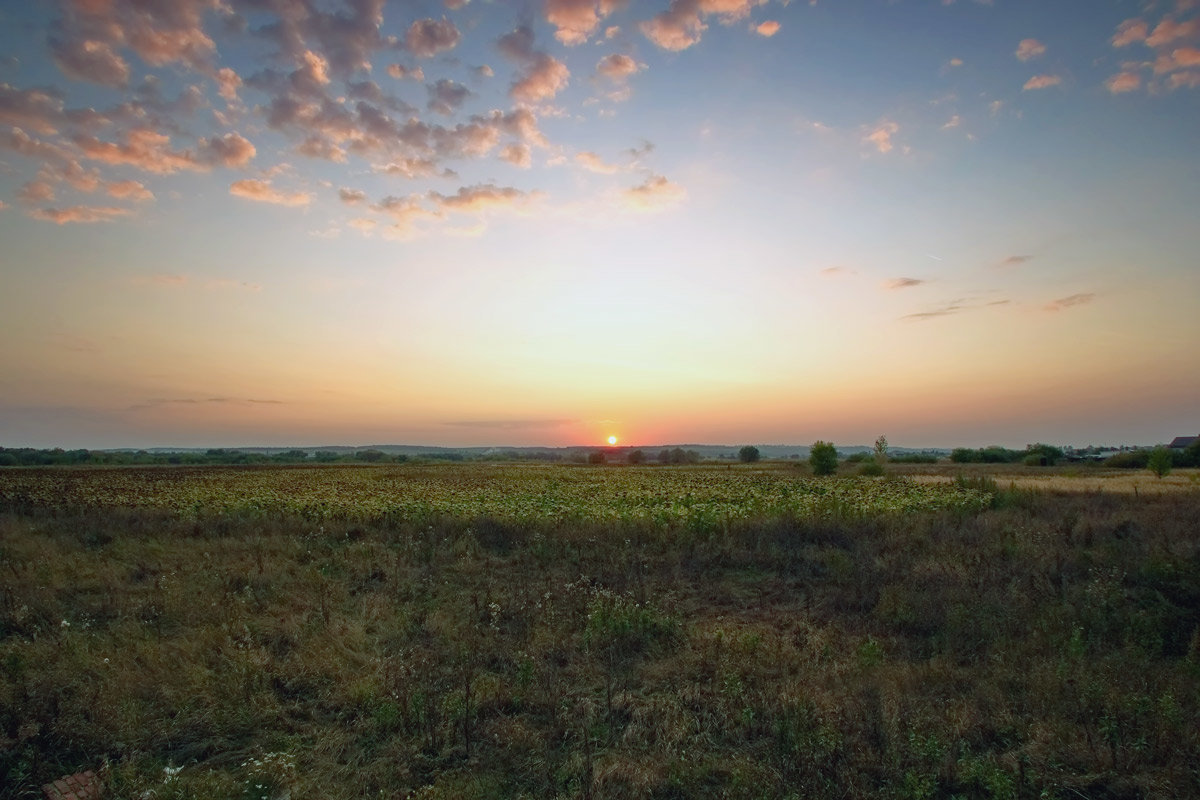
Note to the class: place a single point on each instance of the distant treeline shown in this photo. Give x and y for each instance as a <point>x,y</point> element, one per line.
<point>28,457</point>
<point>32,457</point>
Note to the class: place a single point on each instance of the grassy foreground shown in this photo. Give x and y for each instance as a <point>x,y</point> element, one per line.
<point>1047,646</point>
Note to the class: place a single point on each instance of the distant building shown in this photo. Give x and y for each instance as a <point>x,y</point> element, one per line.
<point>1181,442</point>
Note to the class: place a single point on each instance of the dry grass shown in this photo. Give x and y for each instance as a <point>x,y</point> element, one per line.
<point>1049,648</point>
<point>1058,479</point>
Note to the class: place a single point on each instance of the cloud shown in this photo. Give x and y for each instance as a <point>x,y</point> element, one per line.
<point>35,192</point>
<point>428,37</point>
<point>953,122</point>
<point>518,155</point>
<point>149,151</point>
<point>903,283</point>
<point>768,28</point>
<point>1041,82</point>
<point>617,67</point>
<point>90,60</point>
<point>955,62</point>
<point>656,193</point>
<point>159,33</point>
<point>576,20</point>
<point>483,197</point>
<point>1029,49</point>
<point>82,214</point>
<point>593,163</point>
<point>1181,80</point>
<point>834,272</point>
<point>1177,59</point>
<point>263,192</point>
<point>352,196</point>
<point>944,311</point>
<point>128,190</point>
<point>1124,82</point>
<point>1169,31</point>
<point>228,83</point>
<point>511,424</point>
<point>1013,261</point>
<point>1070,301</point>
<point>404,211</point>
<point>36,109</point>
<point>1129,32</point>
<point>400,72</point>
<point>446,96</point>
<point>545,77</point>
<point>682,24</point>
<point>880,137</point>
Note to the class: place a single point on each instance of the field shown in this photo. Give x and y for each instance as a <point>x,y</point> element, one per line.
<point>507,630</point>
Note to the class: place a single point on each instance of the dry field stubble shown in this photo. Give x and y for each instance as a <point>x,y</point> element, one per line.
<point>1045,646</point>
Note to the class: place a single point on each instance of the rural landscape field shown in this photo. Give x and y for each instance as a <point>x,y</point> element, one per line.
<point>478,630</point>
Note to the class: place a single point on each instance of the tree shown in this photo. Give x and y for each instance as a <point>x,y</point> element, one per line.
<point>636,457</point>
<point>823,458</point>
<point>748,454</point>
<point>597,457</point>
<point>881,450</point>
<point>1160,462</point>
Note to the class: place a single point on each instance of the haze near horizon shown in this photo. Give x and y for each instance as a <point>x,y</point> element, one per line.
<point>248,222</point>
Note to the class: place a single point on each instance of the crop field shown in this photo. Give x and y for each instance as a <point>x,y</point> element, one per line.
<point>689,496</point>
<point>550,631</point>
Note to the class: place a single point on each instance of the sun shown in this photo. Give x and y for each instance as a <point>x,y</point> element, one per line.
<point>612,440</point>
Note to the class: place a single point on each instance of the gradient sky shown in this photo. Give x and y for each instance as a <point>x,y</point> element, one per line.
<point>953,222</point>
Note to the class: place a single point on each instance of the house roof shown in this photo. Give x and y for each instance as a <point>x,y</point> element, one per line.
<point>1183,441</point>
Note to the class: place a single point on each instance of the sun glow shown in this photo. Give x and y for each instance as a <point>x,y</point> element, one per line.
<point>612,440</point>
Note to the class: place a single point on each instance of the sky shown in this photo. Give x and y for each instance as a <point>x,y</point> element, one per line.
<point>302,222</point>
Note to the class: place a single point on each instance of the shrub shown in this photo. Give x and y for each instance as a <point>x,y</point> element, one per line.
<point>871,468</point>
<point>1134,459</point>
<point>597,457</point>
<point>1160,462</point>
<point>914,458</point>
<point>636,457</point>
<point>748,454</point>
<point>823,458</point>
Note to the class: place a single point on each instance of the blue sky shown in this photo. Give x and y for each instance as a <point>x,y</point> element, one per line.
<point>253,222</point>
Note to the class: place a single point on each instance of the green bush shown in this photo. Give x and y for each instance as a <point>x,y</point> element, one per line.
<point>1160,462</point>
<point>748,454</point>
<point>823,458</point>
<point>871,468</point>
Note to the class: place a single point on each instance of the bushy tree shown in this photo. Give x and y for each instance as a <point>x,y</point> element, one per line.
<point>881,450</point>
<point>597,457</point>
<point>748,454</point>
<point>823,458</point>
<point>1160,462</point>
<point>636,457</point>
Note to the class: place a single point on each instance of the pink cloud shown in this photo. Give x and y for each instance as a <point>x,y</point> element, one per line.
<point>682,24</point>
<point>1179,58</point>
<point>228,83</point>
<point>545,77</point>
<point>768,28</point>
<point>1063,303</point>
<point>517,154</point>
<point>1184,80</point>
<point>1030,49</point>
<point>576,20</point>
<point>128,190</point>
<point>400,72</point>
<point>263,192</point>
<point>352,196</point>
<point>593,163</point>
<point>82,214</point>
<point>1041,82</point>
<point>1169,31</point>
<point>903,283</point>
<point>480,198</point>
<point>149,151</point>
<point>1129,32</point>
<point>39,191</point>
<point>1124,82</point>
<point>617,67</point>
<point>880,137</point>
<point>656,193</point>
<point>30,108</point>
<point>428,37</point>
<point>90,60</point>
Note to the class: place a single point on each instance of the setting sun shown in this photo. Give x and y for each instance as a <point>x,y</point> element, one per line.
<point>612,440</point>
